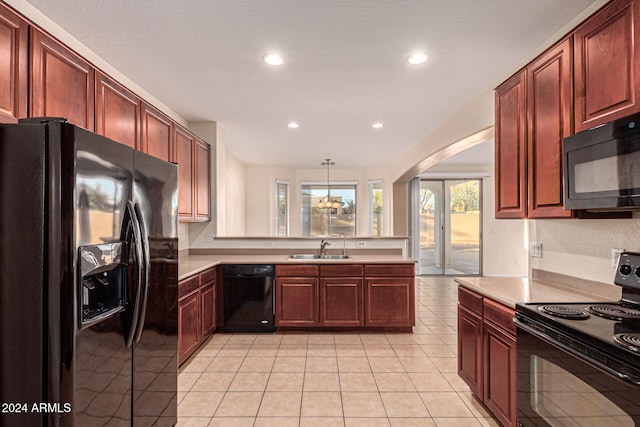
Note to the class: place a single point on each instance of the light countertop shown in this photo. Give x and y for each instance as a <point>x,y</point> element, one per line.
<point>509,291</point>
<point>188,265</point>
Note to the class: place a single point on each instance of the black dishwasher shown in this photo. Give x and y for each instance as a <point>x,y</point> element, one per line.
<point>248,298</point>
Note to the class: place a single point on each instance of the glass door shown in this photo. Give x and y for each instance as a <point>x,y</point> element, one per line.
<point>450,227</point>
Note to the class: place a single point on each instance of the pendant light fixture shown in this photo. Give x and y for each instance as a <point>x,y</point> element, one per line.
<point>327,202</point>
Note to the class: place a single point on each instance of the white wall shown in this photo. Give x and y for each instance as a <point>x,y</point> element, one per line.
<point>582,247</point>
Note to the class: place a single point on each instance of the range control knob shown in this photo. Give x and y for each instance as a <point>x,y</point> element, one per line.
<point>625,270</point>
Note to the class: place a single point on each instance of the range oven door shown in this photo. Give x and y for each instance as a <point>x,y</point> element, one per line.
<point>558,388</point>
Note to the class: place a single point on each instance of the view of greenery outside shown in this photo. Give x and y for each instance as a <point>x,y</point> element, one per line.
<point>343,219</point>
<point>282,226</point>
<point>376,210</point>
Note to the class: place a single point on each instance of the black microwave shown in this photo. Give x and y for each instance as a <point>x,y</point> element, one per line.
<point>602,167</point>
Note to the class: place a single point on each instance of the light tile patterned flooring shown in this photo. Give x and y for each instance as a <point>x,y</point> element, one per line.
<point>327,379</point>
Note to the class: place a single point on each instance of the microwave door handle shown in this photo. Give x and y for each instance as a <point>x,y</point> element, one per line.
<point>146,264</point>
<point>137,246</point>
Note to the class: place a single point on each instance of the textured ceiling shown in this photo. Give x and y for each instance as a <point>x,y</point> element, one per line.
<point>345,65</point>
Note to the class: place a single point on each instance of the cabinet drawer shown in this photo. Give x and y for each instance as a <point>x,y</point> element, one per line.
<point>499,315</point>
<point>208,276</point>
<point>389,270</point>
<point>188,285</point>
<point>300,270</point>
<point>341,270</point>
<point>470,300</point>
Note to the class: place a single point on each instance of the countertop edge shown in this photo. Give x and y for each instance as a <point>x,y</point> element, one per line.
<point>190,265</point>
<point>511,290</point>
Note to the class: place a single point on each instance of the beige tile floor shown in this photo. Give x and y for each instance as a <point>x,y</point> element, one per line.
<point>327,379</point>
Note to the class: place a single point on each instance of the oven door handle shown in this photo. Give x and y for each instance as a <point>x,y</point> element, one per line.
<point>633,379</point>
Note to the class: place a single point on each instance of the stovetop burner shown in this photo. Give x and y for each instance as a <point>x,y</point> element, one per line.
<point>564,312</point>
<point>629,340</point>
<point>615,312</point>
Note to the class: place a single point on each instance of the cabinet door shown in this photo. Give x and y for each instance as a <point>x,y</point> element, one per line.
<point>297,301</point>
<point>117,112</point>
<point>184,157</point>
<point>549,106</point>
<point>202,180</point>
<point>341,302</point>
<point>511,148</point>
<point>157,135</point>
<point>208,308</point>
<point>607,65</point>
<point>188,325</point>
<point>470,349</point>
<point>389,301</point>
<point>499,376</point>
<point>13,66</point>
<point>62,83</point>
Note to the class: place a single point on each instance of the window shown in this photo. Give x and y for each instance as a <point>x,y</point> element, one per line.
<point>329,222</point>
<point>375,208</point>
<point>282,208</point>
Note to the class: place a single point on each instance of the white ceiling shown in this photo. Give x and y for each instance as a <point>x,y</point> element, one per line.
<point>345,65</point>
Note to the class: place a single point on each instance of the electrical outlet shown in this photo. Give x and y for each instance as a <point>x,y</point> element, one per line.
<point>209,237</point>
<point>268,244</point>
<point>615,256</point>
<point>361,244</point>
<point>535,249</point>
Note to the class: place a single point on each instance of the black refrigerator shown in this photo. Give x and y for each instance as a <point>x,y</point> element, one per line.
<point>88,280</point>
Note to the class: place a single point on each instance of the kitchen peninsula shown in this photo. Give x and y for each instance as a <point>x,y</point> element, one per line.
<point>369,290</point>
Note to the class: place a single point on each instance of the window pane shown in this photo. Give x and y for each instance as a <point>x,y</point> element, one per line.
<point>324,222</point>
<point>282,217</point>
<point>375,216</point>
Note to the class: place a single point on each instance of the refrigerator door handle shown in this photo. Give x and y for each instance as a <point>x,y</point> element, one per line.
<point>145,272</point>
<point>137,245</point>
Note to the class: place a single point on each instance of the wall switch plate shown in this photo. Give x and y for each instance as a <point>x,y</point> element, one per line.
<point>209,237</point>
<point>535,249</point>
<point>361,244</point>
<point>268,244</point>
<point>615,256</point>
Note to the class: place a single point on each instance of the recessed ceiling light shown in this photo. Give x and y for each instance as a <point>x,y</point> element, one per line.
<point>377,125</point>
<point>273,59</point>
<point>417,58</point>
<point>293,125</point>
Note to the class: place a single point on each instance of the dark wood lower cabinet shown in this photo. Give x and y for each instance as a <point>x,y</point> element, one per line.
<point>188,325</point>
<point>487,353</point>
<point>470,349</point>
<point>196,311</point>
<point>297,301</point>
<point>499,355</point>
<point>341,302</point>
<point>345,296</point>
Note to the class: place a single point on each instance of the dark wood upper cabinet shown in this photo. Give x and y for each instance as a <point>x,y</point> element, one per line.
<point>607,65</point>
<point>62,83</point>
<point>184,156</point>
<point>157,133</point>
<point>117,112</point>
<point>511,148</point>
<point>14,39</point>
<point>549,97</point>
<point>202,181</point>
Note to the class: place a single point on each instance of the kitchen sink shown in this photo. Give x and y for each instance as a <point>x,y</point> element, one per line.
<point>303,256</point>
<point>313,256</point>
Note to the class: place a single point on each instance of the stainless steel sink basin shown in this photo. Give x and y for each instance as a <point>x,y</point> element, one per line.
<point>303,256</point>
<point>335,257</point>
<point>313,256</point>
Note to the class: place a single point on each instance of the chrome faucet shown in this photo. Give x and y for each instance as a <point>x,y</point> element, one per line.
<point>323,246</point>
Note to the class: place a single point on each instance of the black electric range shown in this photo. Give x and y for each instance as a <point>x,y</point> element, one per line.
<point>609,332</point>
